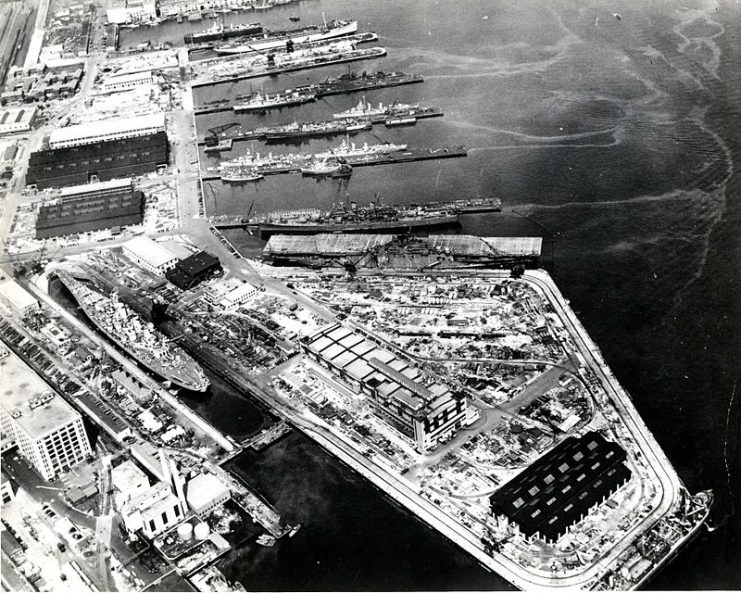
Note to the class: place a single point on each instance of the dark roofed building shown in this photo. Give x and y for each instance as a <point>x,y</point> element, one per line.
<point>192,270</point>
<point>105,160</point>
<point>560,488</point>
<point>91,208</point>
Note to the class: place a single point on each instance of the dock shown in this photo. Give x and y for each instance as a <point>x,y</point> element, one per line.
<point>265,133</point>
<point>406,156</point>
<point>267,437</point>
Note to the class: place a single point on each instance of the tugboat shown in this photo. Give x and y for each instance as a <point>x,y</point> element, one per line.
<point>244,174</point>
<point>321,168</point>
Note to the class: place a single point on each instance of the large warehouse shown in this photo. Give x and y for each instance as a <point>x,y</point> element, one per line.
<point>553,494</point>
<point>424,410</point>
<point>103,160</point>
<point>110,129</point>
<point>90,207</point>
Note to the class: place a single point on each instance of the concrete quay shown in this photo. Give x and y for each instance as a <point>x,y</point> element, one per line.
<point>664,502</point>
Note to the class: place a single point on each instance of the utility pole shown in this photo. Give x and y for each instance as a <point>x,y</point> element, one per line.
<point>549,231</point>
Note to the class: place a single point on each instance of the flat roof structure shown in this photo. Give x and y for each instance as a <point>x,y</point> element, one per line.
<point>16,296</point>
<point>203,489</point>
<point>32,404</point>
<point>110,129</point>
<point>190,271</point>
<point>149,251</point>
<point>112,185</point>
<point>558,490</point>
<point>128,476</point>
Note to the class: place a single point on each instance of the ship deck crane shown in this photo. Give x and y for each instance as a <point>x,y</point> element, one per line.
<point>212,139</point>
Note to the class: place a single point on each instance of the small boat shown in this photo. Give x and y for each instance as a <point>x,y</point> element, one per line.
<point>321,168</point>
<point>344,172</point>
<point>294,18</point>
<point>266,540</point>
<point>294,530</point>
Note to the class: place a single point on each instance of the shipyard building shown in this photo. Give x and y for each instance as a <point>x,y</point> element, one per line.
<point>48,432</point>
<point>89,152</point>
<point>421,408</point>
<point>150,255</point>
<point>91,207</point>
<point>553,494</point>
<point>17,298</point>
<point>193,270</point>
<point>14,120</point>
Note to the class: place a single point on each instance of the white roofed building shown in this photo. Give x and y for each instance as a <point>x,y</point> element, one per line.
<point>110,129</point>
<point>205,492</point>
<point>232,292</point>
<point>150,255</point>
<point>124,82</point>
<point>48,432</point>
<point>17,298</point>
<point>153,511</point>
<point>128,481</point>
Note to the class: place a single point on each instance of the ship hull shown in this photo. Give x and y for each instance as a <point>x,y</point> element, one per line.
<point>244,108</point>
<point>267,44</point>
<point>267,229</point>
<point>150,364</point>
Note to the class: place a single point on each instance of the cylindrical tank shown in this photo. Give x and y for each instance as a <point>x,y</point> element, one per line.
<point>201,530</point>
<point>185,531</point>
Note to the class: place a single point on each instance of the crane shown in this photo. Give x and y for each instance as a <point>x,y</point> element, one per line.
<point>212,139</point>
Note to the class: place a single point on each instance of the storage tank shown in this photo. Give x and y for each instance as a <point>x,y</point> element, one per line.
<point>185,531</point>
<point>202,530</point>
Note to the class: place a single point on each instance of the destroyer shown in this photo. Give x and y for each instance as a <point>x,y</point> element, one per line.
<point>262,102</point>
<point>271,40</point>
<point>135,336</point>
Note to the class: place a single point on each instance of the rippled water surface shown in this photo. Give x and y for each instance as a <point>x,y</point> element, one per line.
<point>623,137</point>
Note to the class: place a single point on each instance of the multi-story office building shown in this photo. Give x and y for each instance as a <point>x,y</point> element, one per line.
<point>48,432</point>
<point>403,395</point>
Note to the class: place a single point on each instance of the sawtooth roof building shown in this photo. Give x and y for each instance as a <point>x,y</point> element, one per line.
<point>557,491</point>
<point>421,408</point>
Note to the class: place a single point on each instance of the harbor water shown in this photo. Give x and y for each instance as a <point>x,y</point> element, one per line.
<point>614,125</point>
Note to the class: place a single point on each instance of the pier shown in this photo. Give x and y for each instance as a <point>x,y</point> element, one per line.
<point>267,133</point>
<point>405,156</point>
<point>339,86</point>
